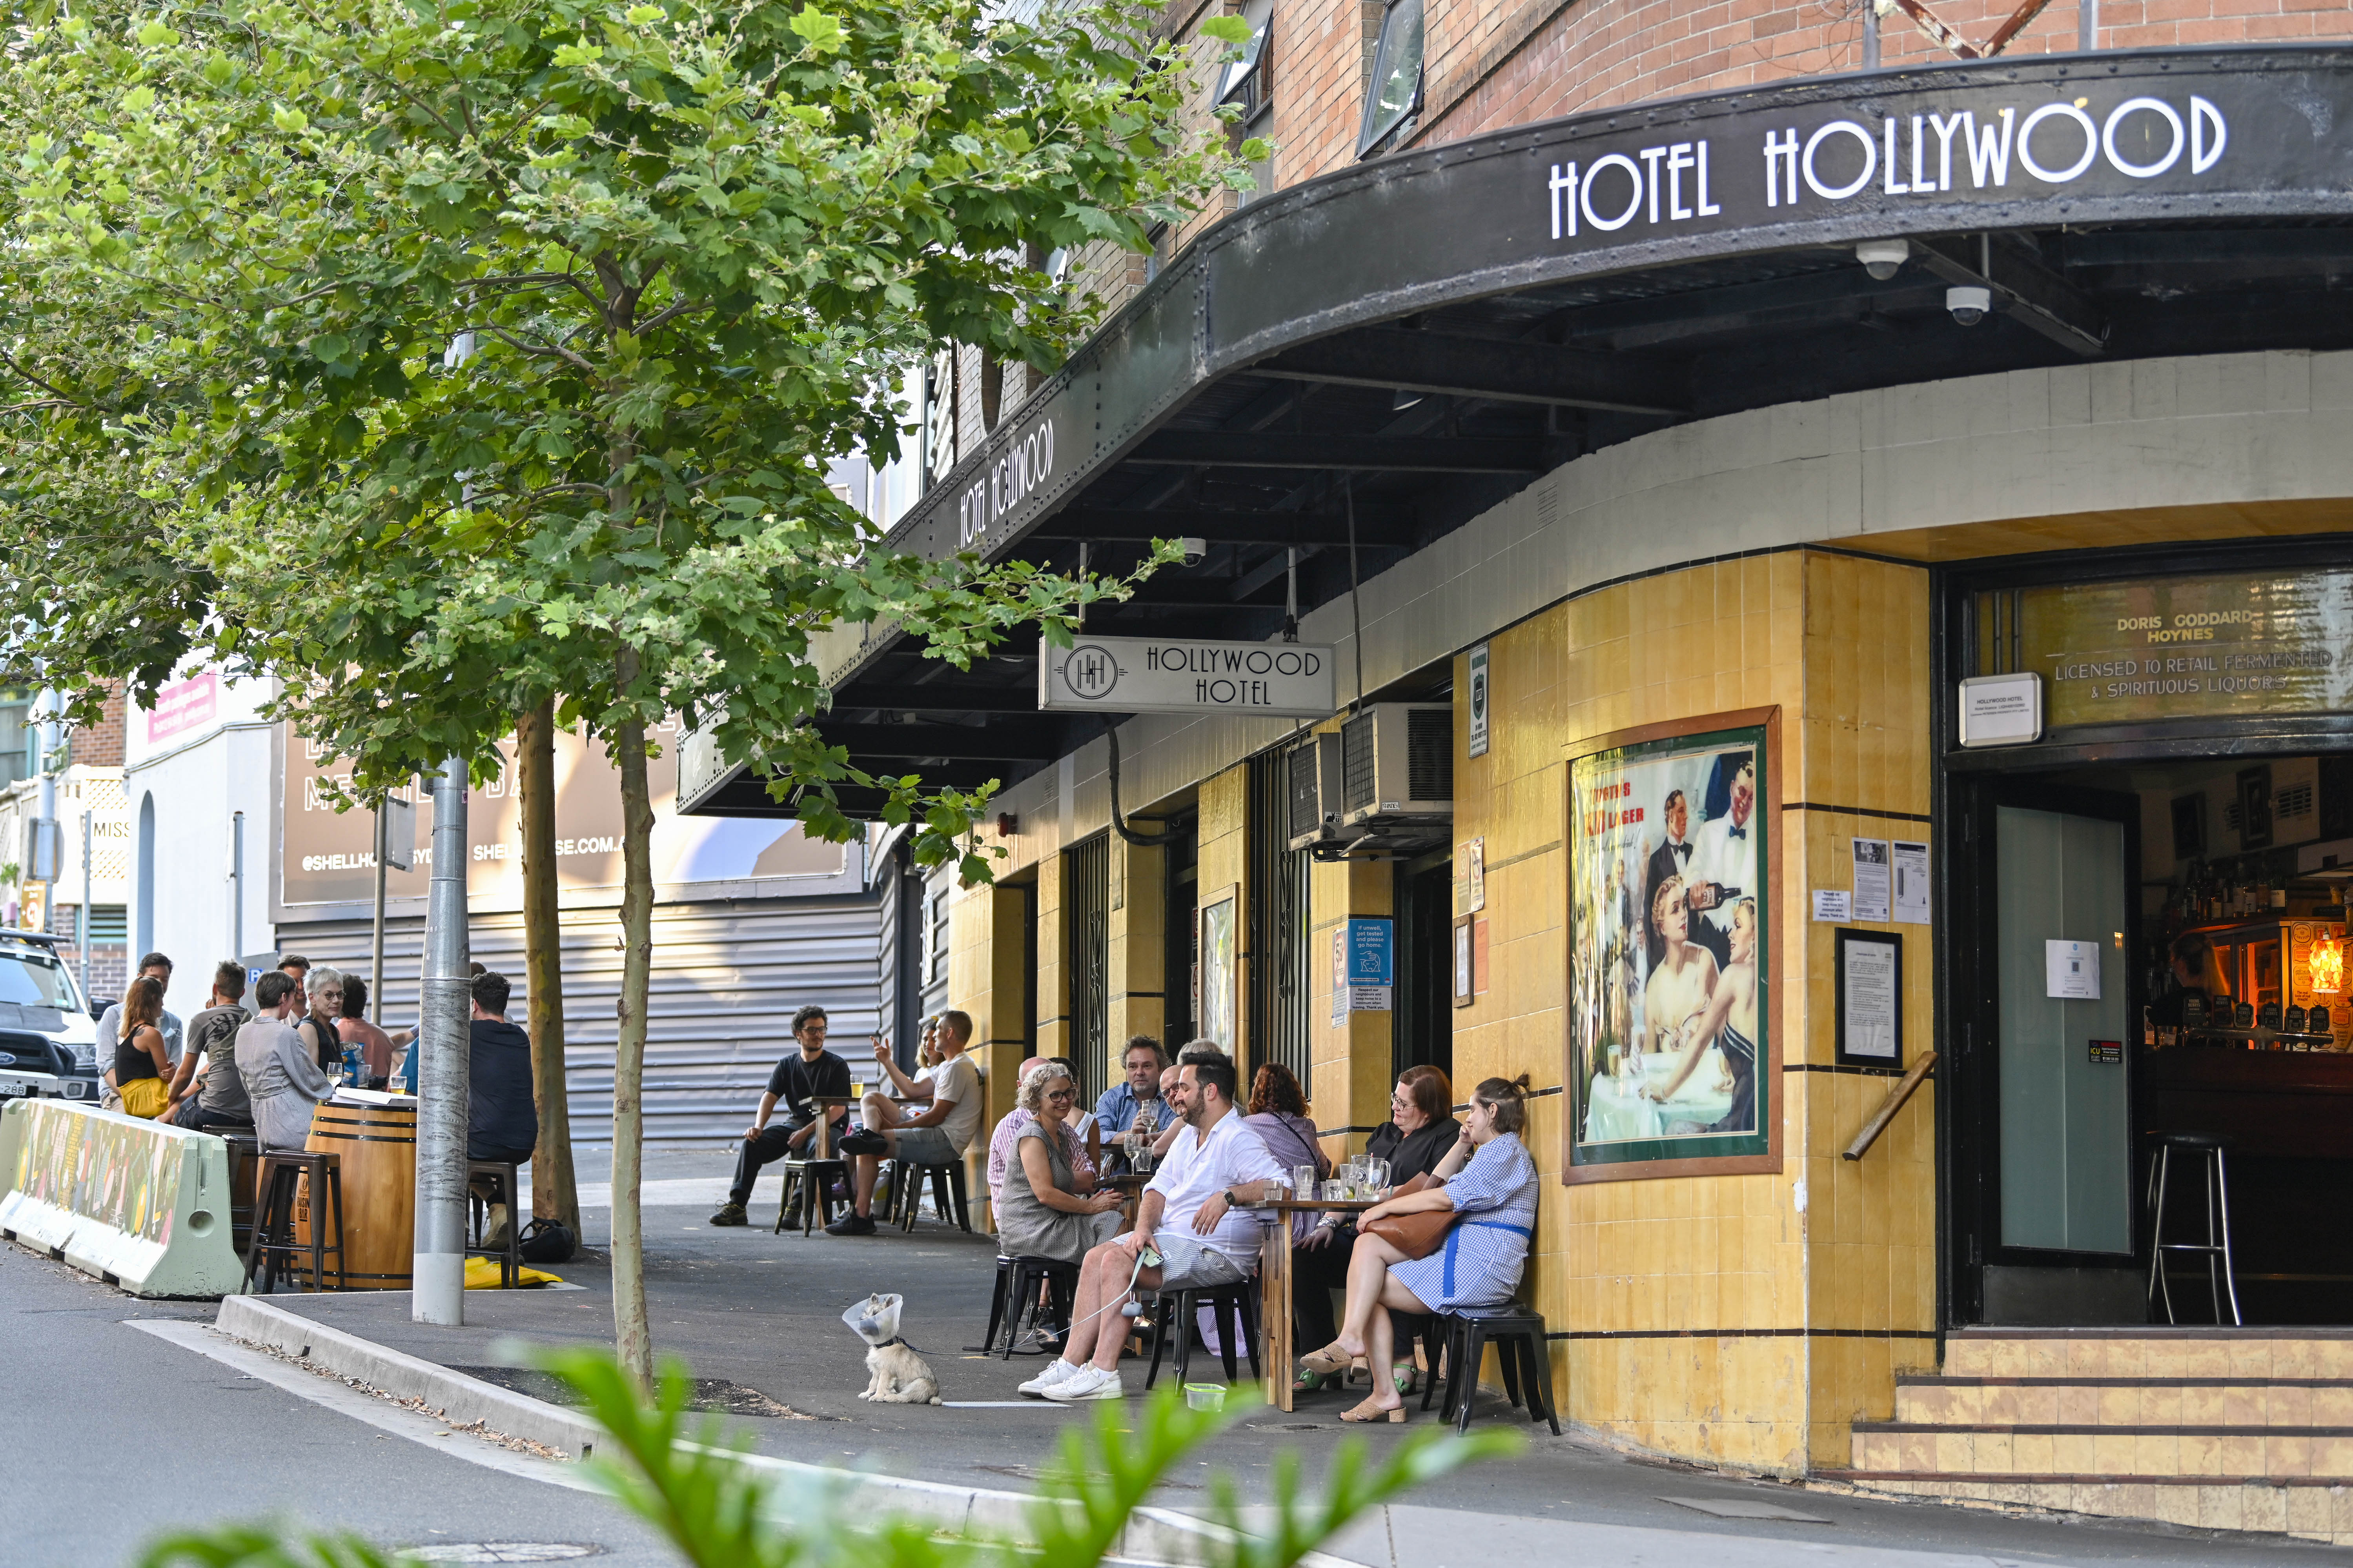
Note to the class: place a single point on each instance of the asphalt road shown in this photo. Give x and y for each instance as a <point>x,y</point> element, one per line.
<point>116,1436</point>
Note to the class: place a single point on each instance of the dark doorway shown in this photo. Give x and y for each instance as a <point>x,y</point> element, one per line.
<point>1086,949</point>
<point>1183,841</point>
<point>1422,1027</point>
<point>1277,956</point>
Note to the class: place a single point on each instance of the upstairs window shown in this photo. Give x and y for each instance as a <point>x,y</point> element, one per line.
<point>1248,83</point>
<point>1394,96</point>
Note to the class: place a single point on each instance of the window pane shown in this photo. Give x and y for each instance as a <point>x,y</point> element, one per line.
<point>1396,72</point>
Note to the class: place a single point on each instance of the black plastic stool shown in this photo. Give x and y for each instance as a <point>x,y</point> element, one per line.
<point>948,1182</point>
<point>1175,1312</point>
<point>1518,1336</point>
<point>507,1175</point>
<point>1018,1278</point>
<point>2220,1276</point>
<point>812,1181</point>
<point>283,1172</point>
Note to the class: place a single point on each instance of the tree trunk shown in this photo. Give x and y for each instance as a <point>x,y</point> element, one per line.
<point>632,1339</point>
<point>555,1191</point>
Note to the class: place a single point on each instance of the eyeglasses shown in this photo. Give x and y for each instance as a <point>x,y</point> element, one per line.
<point>1060,1094</point>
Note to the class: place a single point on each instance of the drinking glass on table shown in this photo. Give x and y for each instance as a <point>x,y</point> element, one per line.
<point>1335,1191</point>
<point>1303,1181</point>
<point>1376,1176</point>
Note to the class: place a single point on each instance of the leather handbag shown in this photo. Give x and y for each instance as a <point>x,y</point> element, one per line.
<point>1414,1235</point>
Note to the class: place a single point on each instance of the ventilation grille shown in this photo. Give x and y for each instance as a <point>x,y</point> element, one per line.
<point>1359,775</point>
<point>1430,754</point>
<point>1307,809</point>
<point>2294,801</point>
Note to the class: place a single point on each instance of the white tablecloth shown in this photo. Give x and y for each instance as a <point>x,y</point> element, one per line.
<point>1615,1111</point>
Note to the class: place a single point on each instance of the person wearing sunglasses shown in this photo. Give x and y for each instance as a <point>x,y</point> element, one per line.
<point>1046,1208</point>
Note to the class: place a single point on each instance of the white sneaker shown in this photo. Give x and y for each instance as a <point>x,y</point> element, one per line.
<point>1089,1383</point>
<point>1057,1370</point>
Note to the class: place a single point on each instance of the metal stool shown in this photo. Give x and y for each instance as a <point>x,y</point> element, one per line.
<point>907,1189</point>
<point>1018,1279</point>
<point>283,1172</point>
<point>505,1172</point>
<point>1176,1311</point>
<point>1518,1335</point>
<point>2217,1245</point>
<point>813,1179</point>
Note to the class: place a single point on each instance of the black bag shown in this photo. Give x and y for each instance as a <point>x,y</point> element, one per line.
<point>546,1241</point>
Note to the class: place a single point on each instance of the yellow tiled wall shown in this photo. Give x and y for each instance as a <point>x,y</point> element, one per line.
<point>1741,1319</point>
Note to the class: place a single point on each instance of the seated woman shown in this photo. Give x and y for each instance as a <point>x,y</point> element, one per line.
<point>1045,1209</point>
<point>1489,1182</point>
<point>143,1062</point>
<point>1420,1131</point>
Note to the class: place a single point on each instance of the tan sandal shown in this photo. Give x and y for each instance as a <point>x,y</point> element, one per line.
<point>1326,1363</point>
<point>1370,1411</point>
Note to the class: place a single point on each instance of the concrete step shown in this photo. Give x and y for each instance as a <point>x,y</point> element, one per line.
<point>2232,1453</point>
<point>2313,1509</point>
<point>2083,1401</point>
<point>2247,1354</point>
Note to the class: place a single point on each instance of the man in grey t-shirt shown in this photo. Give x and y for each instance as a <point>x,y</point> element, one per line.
<point>207,1090</point>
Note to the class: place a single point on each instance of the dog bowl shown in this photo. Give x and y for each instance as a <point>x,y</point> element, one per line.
<point>1206,1395</point>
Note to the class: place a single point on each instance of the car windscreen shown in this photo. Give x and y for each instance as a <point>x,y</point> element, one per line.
<point>35,980</point>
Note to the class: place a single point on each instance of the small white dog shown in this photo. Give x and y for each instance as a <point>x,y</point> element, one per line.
<point>899,1376</point>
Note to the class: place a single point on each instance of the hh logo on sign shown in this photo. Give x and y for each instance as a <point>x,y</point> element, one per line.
<point>1090,672</point>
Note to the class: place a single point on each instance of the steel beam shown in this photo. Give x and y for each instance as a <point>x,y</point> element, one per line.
<point>1497,369</point>
<point>1358,454</point>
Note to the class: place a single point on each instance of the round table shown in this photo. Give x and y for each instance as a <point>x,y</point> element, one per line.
<point>1616,1112</point>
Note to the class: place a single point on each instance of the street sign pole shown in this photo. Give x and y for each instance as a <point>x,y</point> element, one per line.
<point>439,1270</point>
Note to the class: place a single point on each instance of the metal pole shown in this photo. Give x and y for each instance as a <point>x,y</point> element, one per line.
<point>81,921</point>
<point>46,811</point>
<point>236,882</point>
<point>376,951</point>
<point>438,1271</point>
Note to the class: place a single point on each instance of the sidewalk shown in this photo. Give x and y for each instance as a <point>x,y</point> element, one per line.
<point>762,1311</point>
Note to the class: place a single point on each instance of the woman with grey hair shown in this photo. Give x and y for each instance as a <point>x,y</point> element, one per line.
<point>1044,1210</point>
<point>323,1003</point>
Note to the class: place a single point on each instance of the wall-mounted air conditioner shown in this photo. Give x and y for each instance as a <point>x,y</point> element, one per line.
<point>1397,765</point>
<point>1311,793</point>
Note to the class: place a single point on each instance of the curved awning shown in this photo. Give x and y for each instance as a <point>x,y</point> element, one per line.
<point>1358,365</point>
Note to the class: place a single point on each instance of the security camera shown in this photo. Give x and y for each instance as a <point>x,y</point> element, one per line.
<point>1883,258</point>
<point>1193,549</point>
<point>1968,304</point>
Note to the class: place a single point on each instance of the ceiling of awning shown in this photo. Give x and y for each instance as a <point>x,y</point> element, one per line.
<point>1385,409</point>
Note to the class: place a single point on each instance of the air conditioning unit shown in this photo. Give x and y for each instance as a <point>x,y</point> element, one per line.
<point>1396,766</point>
<point>1311,794</point>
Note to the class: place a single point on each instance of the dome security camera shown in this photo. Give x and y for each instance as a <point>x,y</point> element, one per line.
<point>1883,258</point>
<point>1968,304</point>
<point>1194,550</point>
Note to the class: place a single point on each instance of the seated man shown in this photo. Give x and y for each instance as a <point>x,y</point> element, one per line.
<point>503,1123</point>
<point>949,1096</point>
<point>1186,1221</point>
<point>801,1081</point>
<point>1136,1098</point>
<point>207,1091</point>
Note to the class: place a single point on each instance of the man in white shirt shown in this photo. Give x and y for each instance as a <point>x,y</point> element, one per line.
<point>936,1134</point>
<point>109,1023</point>
<point>1188,1232</point>
<point>1723,866</point>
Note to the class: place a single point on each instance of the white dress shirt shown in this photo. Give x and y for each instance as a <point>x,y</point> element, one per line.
<point>1718,857</point>
<point>1198,1167</point>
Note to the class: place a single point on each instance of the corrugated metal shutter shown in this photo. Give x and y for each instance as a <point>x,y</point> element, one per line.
<point>727,976</point>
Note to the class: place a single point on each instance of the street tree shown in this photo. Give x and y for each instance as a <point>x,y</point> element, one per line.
<point>452,361</point>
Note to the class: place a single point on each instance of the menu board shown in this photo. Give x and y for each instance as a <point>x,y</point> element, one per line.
<point>2177,647</point>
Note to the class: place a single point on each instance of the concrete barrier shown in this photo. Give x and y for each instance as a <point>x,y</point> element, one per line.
<point>141,1206</point>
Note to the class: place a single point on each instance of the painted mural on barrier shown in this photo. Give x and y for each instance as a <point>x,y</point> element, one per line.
<point>120,1172</point>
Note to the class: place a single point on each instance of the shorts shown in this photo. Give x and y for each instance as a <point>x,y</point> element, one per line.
<point>925,1146</point>
<point>1189,1264</point>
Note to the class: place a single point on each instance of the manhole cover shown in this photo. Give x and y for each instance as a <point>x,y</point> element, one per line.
<point>1740,1508</point>
<point>497,1551</point>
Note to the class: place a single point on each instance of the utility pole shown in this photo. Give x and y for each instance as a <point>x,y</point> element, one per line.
<point>237,883</point>
<point>82,919</point>
<point>438,1268</point>
<point>47,849</point>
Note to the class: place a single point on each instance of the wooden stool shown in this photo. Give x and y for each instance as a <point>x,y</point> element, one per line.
<point>2216,1247</point>
<point>1018,1279</point>
<point>283,1172</point>
<point>813,1179</point>
<point>1518,1335</point>
<point>947,1184</point>
<point>508,1176</point>
<point>1177,1310</point>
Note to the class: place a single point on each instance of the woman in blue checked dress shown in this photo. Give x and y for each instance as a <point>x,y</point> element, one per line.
<point>1490,1182</point>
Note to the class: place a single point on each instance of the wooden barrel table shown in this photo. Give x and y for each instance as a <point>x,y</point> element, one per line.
<point>377,1146</point>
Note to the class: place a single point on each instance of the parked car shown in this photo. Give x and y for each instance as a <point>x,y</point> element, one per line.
<point>49,1041</point>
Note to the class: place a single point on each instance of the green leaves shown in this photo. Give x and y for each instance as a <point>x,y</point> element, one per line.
<point>822,32</point>
<point>1230,29</point>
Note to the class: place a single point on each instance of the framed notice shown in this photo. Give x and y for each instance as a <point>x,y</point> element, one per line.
<point>1217,974</point>
<point>1870,984</point>
<point>1672,1063</point>
<point>1465,957</point>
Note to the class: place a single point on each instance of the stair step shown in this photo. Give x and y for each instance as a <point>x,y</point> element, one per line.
<point>2253,1354</point>
<point>2125,1400</point>
<point>2312,1508</point>
<point>2216,1452</point>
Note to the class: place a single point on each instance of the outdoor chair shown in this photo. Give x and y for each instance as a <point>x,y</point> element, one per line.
<point>508,1176</point>
<point>1518,1336</point>
<point>907,1181</point>
<point>813,1179</point>
<point>1020,1280</point>
<point>1176,1311</point>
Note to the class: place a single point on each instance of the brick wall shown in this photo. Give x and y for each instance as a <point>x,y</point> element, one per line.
<point>101,745</point>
